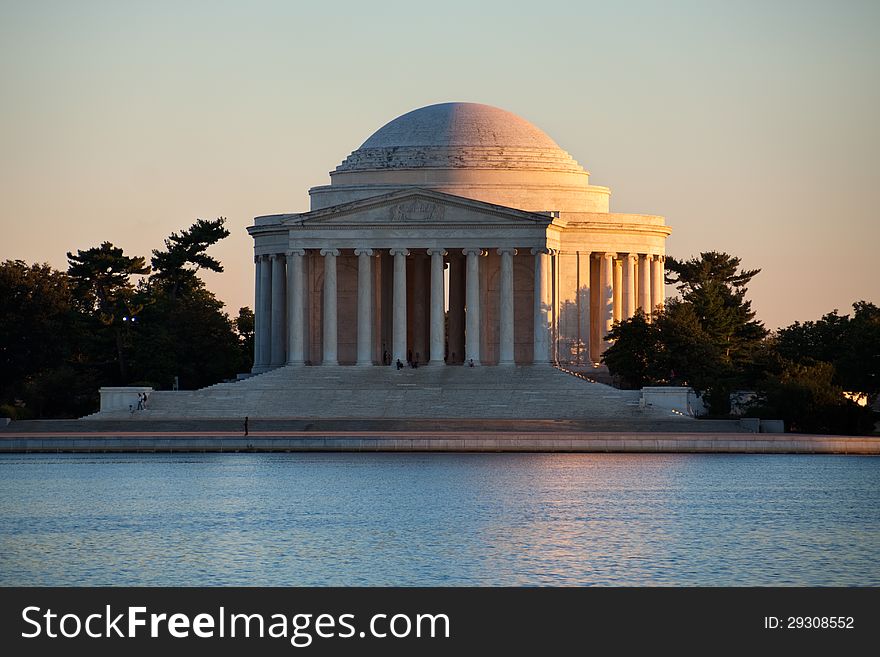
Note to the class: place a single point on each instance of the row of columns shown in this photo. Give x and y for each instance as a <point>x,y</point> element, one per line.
<point>280,288</point>
<point>617,274</point>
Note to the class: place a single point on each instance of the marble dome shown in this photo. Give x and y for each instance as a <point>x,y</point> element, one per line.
<point>467,149</point>
<point>458,135</point>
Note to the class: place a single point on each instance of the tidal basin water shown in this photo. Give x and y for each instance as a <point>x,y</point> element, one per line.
<point>439,519</point>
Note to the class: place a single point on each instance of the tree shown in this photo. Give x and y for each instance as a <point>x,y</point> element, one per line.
<point>45,366</point>
<point>101,278</point>
<point>690,356</point>
<point>64,334</point>
<point>850,344</point>
<point>183,331</point>
<point>635,353</point>
<point>185,253</point>
<point>713,298</point>
<point>807,400</point>
<point>245,326</point>
<point>813,341</point>
<point>189,337</point>
<point>716,288</point>
<point>36,321</point>
<point>857,366</point>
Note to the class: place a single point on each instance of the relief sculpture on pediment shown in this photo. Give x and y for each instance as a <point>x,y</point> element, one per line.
<point>416,211</point>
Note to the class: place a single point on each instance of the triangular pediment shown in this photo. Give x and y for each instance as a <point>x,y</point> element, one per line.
<point>417,207</point>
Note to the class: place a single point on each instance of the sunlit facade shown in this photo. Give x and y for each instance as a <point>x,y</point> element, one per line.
<point>457,233</point>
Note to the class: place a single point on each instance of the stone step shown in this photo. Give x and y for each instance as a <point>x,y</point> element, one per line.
<point>384,392</point>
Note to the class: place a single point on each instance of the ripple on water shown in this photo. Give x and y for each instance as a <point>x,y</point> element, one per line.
<point>439,519</point>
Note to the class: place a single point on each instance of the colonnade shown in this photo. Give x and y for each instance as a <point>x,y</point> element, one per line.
<point>627,282</point>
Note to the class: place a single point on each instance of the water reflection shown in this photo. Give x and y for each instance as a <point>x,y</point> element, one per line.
<point>439,519</point>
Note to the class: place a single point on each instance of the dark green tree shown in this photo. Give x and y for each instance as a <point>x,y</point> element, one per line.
<point>189,337</point>
<point>808,400</point>
<point>101,278</point>
<point>689,355</point>
<point>36,314</point>
<point>103,288</point>
<point>45,369</point>
<point>857,366</point>
<point>813,341</point>
<point>185,254</point>
<point>850,343</point>
<point>716,288</point>
<point>183,331</point>
<point>635,352</point>
<point>245,326</point>
<point>36,321</point>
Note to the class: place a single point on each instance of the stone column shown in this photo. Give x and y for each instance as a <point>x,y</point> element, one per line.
<point>398,302</point>
<point>259,366</point>
<point>658,292</point>
<point>419,308</point>
<point>606,296</point>
<point>438,338</point>
<point>505,314</point>
<point>629,285</point>
<point>456,309</point>
<point>617,285</point>
<point>541,354</point>
<point>265,313</point>
<point>472,307</point>
<point>584,333</point>
<point>331,335</point>
<point>365,307</point>
<point>645,284</point>
<point>295,309</point>
<point>279,316</point>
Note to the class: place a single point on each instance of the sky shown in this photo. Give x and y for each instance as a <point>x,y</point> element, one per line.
<point>751,126</point>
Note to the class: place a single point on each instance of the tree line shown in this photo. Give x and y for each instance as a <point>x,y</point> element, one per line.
<point>708,338</point>
<point>113,319</point>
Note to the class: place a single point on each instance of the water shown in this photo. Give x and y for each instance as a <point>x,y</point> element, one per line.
<point>439,519</point>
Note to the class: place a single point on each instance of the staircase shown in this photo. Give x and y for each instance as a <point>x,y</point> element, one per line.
<point>535,392</point>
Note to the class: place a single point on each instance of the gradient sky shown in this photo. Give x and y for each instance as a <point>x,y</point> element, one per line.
<point>752,126</point>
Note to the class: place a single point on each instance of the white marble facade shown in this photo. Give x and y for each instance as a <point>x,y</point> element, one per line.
<point>457,233</point>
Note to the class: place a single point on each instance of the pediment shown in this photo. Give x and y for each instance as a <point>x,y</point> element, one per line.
<point>414,208</point>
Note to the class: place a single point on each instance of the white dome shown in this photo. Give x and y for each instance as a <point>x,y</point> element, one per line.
<point>465,149</point>
<point>459,124</point>
<point>459,135</point>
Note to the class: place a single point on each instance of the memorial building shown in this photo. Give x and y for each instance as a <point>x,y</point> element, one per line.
<point>458,233</point>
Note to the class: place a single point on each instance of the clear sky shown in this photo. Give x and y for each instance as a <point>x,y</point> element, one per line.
<point>754,127</point>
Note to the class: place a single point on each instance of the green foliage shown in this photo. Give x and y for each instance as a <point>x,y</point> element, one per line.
<point>850,344</point>
<point>245,326</point>
<point>716,290</point>
<point>806,398</point>
<point>104,291</point>
<point>101,278</point>
<point>633,354</point>
<point>188,337</point>
<point>65,334</point>
<point>689,354</point>
<point>37,318</point>
<point>811,342</point>
<point>64,391</point>
<point>858,362</point>
<point>185,253</point>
